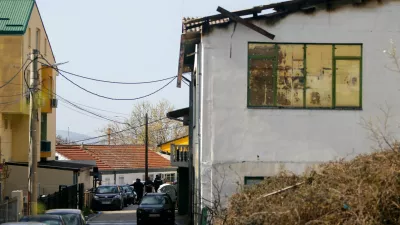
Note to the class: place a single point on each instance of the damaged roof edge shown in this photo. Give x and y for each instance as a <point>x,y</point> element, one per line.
<point>195,25</point>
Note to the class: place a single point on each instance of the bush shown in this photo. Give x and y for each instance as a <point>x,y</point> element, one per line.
<point>365,190</point>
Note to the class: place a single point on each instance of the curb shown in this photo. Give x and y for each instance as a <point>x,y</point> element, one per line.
<point>93,216</point>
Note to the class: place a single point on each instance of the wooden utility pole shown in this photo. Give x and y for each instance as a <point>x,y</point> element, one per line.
<point>33,131</point>
<point>146,143</point>
<point>109,136</point>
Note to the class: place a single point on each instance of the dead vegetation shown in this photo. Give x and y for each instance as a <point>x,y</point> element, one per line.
<point>365,190</point>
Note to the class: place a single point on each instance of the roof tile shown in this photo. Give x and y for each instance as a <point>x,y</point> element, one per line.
<point>114,156</point>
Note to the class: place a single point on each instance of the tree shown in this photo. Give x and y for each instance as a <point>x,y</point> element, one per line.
<point>132,130</point>
<point>61,140</point>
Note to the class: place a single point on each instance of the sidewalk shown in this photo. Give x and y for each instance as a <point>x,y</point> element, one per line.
<point>181,219</point>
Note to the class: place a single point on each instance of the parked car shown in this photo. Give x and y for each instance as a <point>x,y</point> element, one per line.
<point>71,216</point>
<point>23,223</point>
<point>108,196</point>
<point>131,194</point>
<point>170,190</point>
<point>156,208</point>
<point>46,219</point>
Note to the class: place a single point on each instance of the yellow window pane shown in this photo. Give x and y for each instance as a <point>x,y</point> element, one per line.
<point>347,83</point>
<point>261,92</point>
<point>319,76</point>
<point>262,50</point>
<point>348,50</point>
<point>290,75</point>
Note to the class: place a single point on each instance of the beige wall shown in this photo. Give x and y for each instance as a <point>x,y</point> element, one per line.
<point>85,178</point>
<point>49,179</point>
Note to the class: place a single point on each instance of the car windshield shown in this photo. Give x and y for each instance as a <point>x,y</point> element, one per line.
<point>153,200</point>
<point>106,189</point>
<point>71,219</point>
<point>48,221</point>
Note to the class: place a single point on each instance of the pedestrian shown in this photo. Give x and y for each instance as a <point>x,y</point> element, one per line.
<point>148,184</point>
<point>157,182</point>
<point>138,186</point>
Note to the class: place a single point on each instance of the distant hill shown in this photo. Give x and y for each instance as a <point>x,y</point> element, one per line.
<point>73,136</point>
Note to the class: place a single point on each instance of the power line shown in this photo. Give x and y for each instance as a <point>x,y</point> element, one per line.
<point>91,107</point>
<point>118,99</point>
<point>106,97</point>
<point>117,132</point>
<point>115,82</point>
<point>13,77</point>
<point>87,111</point>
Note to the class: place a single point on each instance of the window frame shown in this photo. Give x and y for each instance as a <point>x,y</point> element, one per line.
<point>254,178</point>
<point>275,75</point>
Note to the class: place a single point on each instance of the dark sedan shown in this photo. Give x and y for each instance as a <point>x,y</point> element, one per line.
<point>156,208</point>
<point>47,219</point>
<point>106,196</point>
<point>71,216</point>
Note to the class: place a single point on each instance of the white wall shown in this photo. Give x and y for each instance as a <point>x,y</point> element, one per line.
<point>234,135</point>
<point>129,178</point>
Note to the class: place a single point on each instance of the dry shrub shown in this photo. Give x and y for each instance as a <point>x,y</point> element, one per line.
<point>365,190</point>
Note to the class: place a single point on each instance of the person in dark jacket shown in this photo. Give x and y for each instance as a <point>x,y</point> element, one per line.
<point>148,185</point>
<point>138,186</point>
<point>157,182</point>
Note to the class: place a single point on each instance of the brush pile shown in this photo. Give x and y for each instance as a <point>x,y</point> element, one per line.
<point>365,190</point>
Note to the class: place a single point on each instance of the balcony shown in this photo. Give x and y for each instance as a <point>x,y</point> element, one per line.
<point>179,155</point>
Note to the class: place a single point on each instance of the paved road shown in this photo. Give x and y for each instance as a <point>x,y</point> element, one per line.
<point>127,216</point>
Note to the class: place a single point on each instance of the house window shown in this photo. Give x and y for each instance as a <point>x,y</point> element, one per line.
<point>29,38</point>
<point>38,39</point>
<point>43,127</point>
<point>252,180</point>
<point>304,75</point>
<point>121,180</point>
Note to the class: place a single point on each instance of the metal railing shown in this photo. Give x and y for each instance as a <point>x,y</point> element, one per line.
<point>9,211</point>
<point>179,155</point>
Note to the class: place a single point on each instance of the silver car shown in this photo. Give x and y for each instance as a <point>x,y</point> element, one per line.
<point>70,216</point>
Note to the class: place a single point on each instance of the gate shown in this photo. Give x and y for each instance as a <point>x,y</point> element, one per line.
<point>9,211</point>
<point>68,197</point>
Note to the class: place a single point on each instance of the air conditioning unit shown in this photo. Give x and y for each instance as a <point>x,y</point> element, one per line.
<point>54,103</point>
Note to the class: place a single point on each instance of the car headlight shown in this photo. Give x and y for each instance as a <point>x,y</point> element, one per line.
<point>117,196</point>
<point>96,197</point>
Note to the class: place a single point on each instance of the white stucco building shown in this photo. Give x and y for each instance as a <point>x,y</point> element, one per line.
<point>291,102</point>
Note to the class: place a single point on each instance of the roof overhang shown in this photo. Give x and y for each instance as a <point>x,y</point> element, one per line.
<point>180,113</point>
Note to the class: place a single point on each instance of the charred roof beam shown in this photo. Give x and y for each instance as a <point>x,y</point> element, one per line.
<point>245,23</point>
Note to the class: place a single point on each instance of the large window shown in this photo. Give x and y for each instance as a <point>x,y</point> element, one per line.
<point>284,75</point>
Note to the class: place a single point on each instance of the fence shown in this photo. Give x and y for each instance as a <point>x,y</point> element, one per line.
<point>70,197</point>
<point>9,211</point>
<point>88,199</point>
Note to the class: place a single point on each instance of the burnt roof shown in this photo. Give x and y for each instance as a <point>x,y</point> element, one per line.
<point>279,10</point>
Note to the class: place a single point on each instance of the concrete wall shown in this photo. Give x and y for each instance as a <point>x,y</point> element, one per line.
<point>129,178</point>
<point>18,179</point>
<point>237,141</point>
<point>85,178</point>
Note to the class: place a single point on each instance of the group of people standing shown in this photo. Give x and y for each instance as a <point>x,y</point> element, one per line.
<point>149,186</point>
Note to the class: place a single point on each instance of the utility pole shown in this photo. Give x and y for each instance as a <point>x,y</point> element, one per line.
<point>109,136</point>
<point>146,143</point>
<point>33,133</point>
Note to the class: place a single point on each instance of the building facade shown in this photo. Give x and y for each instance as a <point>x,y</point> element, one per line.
<point>290,102</point>
<point>21,31</point>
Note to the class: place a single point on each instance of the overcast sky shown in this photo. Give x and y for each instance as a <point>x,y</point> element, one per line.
<point>120,40</point>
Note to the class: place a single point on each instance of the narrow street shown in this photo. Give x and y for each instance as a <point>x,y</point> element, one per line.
<point>127,216</point>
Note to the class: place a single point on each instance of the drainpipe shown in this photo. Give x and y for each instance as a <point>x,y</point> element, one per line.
<point>115,177</point>
<point>190,161</point>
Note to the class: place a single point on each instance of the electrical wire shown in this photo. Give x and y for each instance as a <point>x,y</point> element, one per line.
<point>82,109</point>
<point>13,77</point>
<point>91,107</point>
<point>117,132</point>
<point>118,99</point>
<point>106,97</point>
<point>115,82</point>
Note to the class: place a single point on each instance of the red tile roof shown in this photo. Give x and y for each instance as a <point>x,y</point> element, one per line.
<point>109,157</point>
